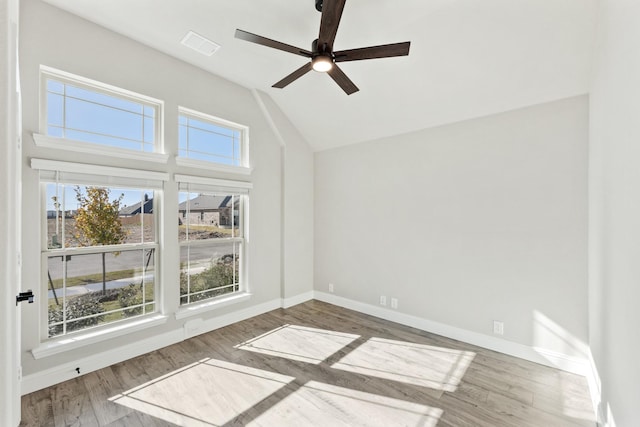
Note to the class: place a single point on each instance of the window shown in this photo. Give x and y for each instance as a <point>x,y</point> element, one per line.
<point>83,110</point>
<point>101,228</point>
<point>100,255</point>
<point>99,244</point>
<point>212,240</point>
<point>206,138</point>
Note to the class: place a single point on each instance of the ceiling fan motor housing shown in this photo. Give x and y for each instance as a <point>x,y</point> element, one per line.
<point>319,5</point>
<point>318,49</point>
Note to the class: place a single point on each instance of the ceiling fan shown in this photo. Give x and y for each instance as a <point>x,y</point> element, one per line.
<point>323,58</point>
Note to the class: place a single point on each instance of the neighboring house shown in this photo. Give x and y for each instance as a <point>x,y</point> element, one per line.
<point>137,208</point>
<point>208,210</point>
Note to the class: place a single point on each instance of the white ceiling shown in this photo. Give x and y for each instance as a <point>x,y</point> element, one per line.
<point>469,58</point>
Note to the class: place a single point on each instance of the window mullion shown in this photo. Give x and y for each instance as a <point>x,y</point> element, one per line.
<point>64,111</point>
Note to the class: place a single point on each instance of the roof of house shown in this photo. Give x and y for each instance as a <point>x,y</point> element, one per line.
<point>206,202</point>
<point>136,208</point>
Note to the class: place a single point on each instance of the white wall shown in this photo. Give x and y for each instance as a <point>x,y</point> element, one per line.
<point>297,158</point>
<point>9,200</point>
<point>480,220</point>
<point>614,291</point>
<point>55,38</point>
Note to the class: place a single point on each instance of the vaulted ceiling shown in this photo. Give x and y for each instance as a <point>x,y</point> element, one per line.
<point>469,58</point>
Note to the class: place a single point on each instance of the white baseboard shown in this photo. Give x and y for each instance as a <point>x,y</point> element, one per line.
<point>298,299</point>
<point>67,371</point>
<point>537,355</point>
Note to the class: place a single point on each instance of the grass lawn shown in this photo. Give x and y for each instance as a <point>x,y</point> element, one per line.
<point>197,232</point>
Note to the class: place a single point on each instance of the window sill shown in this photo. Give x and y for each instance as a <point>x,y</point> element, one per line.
<point>210,166</point>
<point>45,141</point>
<point>71,342</point>
<point>195,309</point>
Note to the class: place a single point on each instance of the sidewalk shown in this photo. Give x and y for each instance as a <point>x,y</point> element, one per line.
<point>97,287</point>
<point>112,284</point>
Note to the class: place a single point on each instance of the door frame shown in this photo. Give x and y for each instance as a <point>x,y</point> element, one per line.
<point>10,202</point>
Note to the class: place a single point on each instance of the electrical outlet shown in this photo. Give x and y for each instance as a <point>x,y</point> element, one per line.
<point>498,327</point>
<point>394,302</point>
<point>383,300</point>
<point>331,287</point>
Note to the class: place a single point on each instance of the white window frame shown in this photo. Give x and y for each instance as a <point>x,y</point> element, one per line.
<point>42,139</point>
<point>244,167</point>
<point>87,174</point>
<point>187,183</point>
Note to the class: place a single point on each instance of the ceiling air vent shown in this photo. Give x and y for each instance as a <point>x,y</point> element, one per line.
<point>200,44</point>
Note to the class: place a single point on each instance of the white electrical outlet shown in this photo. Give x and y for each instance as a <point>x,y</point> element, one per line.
<point>394,302</point>
<point>498,327</point>
<point>331,287</point>
<point>383,300</point>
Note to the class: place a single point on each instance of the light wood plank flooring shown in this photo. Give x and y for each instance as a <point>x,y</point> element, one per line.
<point>316,364</point>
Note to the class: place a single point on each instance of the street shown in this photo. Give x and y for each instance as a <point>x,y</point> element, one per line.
<point>88,264</point>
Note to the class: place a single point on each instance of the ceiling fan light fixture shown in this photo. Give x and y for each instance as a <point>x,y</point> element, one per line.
<point>321,63</point>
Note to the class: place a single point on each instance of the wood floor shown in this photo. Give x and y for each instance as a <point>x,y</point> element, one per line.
<point>316,365</point>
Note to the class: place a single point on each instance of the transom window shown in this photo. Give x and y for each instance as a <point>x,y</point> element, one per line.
<point>83,110</point>
<point>207,138</point>
<point>99,255</point>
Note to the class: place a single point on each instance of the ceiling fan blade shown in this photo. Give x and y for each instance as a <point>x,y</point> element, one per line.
<point>331,14</point>
<point>254,38</point>
<point>383,51</point>
<point>343,81</point>
<point>293,76</point>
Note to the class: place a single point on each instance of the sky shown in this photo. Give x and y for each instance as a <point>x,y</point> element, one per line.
<point>130,198</point>
<point>85,115</point>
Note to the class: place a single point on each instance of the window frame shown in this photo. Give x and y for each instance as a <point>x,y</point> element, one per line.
<point>211,186</point>
<point>44,140</point>
<point>243,168</point>
<point>101,176</point>
<point>154,168</point>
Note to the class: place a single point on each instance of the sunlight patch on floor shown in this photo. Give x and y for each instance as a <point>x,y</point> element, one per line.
<point>207,393</point>
<point>316,403</point>
<point>418,364</point>
<point>299,343</point>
